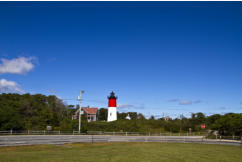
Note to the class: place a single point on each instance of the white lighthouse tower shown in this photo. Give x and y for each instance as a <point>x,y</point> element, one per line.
<point>112,108</point>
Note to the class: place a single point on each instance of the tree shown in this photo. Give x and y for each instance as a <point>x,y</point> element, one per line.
<point>102,114</point>
<point>200,117</point>
<point>152,117</point>
<point>30,111</point>
<point>140,116</point>
<point>133,115</point>
<point>211,119</point>
<point>122,115</point>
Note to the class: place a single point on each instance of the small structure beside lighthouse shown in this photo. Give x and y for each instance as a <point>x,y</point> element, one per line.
<point>112,108</point>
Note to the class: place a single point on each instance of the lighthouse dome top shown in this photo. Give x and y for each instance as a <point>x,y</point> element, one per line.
<point>112,95</point>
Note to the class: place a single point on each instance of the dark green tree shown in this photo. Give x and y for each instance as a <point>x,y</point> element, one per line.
<point>102,114</point>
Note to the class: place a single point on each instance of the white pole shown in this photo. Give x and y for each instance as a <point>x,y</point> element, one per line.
<point>80,99</point>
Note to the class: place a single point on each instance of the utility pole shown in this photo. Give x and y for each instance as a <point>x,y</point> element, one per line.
<point>80,110</point>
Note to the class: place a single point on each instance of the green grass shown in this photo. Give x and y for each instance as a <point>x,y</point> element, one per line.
<point>99,152</point>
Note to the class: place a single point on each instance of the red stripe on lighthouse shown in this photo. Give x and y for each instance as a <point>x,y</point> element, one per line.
<point>112,102</point>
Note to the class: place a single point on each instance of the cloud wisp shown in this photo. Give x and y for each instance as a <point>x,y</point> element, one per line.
<point>184,102</point>
<point>130,106</point>
<point>20,65</point>
<point>9,86</point>
<point>125,106</point>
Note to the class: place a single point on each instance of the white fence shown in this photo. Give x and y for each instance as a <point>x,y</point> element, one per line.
<point>58,132</point>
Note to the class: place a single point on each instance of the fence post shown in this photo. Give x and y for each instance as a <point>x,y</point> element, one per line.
<point>11,131</point>
<point>59,131</point>
<point>44,132</point>
<point>126,133</point>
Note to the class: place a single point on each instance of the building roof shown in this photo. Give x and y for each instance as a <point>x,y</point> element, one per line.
<point>90,110</point>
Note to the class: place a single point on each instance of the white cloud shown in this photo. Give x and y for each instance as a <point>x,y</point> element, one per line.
<point>9,86</point>
<point>20,65</point>
<point>125,105</point>
<point>185,102</point>
<point>130,106</point>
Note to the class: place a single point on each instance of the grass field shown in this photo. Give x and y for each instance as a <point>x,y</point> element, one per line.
<point>122,152</point>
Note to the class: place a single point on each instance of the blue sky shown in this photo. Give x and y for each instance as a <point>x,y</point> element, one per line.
<point>161,58</point>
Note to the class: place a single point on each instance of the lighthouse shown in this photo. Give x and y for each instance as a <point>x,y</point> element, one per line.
<point>112,108</point>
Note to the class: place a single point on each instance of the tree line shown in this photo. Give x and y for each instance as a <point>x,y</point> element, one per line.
<point>35,112</point>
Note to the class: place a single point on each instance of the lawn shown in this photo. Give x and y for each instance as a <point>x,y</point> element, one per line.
<point>122,152</point>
